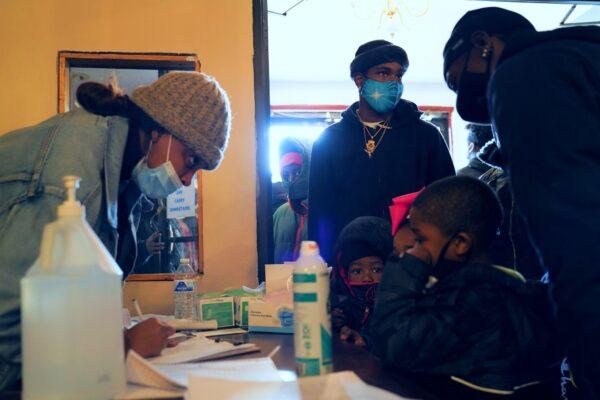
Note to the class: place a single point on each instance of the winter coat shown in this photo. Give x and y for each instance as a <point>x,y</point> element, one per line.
<point>345,183</point>
<point>356,302</point>
<point>475,168</point>
<point>544,101</point>
<point>512,247</point>
<point>290,220</point>
<point>33,161</point>
<point>480,325</point>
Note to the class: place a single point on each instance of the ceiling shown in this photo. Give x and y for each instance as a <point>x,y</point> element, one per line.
<point>316,41</point>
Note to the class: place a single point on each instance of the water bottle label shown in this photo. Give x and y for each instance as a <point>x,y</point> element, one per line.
<point>184,286</point>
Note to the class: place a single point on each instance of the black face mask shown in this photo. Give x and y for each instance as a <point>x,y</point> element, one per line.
<point>443,267</point>
<point>471,101</point>
<point>298,190</point>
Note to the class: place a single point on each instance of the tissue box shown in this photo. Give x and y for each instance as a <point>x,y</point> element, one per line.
<point>270,317</point>
<point>241,309</point>
<point>219,308</point>
<point>278,277</point>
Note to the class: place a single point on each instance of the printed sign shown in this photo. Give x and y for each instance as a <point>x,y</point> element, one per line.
<point>182,203</point>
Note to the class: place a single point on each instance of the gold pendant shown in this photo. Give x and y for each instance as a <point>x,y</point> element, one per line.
<point>370,147</point>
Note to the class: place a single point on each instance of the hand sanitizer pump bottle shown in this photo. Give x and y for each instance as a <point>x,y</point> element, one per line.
<point>71,312</point>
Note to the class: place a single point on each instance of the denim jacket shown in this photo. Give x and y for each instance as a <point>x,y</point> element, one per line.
<point>33,161</point>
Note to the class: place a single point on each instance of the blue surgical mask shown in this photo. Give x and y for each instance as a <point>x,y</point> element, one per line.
<point>382,96</point>
<point>159,182</point>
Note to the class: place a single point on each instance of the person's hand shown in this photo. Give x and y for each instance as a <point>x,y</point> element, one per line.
<point>153,245</point>
<point>348,334</point>
<point>338,318</point>
<point>149,337</point>
<point>421,254</point>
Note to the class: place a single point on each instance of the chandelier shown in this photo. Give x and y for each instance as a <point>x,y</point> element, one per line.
<point>391,15</point>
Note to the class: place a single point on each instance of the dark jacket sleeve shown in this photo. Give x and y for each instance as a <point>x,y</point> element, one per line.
<point>440,163</point>
<point>548,123</point>
<point>321,199</point>
<point>407,334</point>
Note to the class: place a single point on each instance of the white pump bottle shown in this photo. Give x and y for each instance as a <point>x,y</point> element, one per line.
<point>71,312</point>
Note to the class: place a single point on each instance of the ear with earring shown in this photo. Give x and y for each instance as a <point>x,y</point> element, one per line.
<point>485,52</point>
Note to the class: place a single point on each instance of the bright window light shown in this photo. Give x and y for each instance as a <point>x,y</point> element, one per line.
<point>278,132</point>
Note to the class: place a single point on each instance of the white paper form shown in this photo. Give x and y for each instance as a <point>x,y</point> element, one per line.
<point>344,385</point>
<point>254,369</point>
<point>200,348</point>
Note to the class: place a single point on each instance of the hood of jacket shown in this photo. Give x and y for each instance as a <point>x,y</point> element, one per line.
<point>525,40</point>
<point>297,190</point>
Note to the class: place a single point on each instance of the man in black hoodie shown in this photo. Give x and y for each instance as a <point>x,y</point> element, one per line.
<point>541,92</point>
<point>379,150</point>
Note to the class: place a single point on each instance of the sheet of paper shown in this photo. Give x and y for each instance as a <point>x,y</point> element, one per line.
<point>140,372</point>
<point>182,324</point>
<point>254,369</point>
<point>337,386</point>
<point>200,348</point>
<point>344,385</point>
<point>225,389</point>
<point>136,392</point>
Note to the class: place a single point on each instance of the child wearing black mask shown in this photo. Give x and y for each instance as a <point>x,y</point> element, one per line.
<point>443,309</point>
<point>361,249</point>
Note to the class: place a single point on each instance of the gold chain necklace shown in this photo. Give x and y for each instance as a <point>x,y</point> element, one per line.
<point>371,144</point>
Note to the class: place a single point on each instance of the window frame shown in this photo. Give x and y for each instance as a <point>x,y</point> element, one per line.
<point>160,61</point>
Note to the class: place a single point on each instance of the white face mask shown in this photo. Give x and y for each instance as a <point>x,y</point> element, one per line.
<point>159,182</point>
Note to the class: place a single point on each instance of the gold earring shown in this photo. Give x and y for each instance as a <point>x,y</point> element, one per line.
<point>485,53</point>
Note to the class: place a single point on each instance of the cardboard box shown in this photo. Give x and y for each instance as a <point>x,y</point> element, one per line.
<point>241,304</point>
<point>278,277</point>
<point>274,313</point>
<point>270,317</point>
<point>219,308</point>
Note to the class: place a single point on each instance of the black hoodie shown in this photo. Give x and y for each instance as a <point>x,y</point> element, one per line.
<point>545,106</point>
<point>346,184</point>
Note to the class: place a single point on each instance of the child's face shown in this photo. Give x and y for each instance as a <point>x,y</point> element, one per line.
<point>404,239</point>
<point>429,240</point>
<point>366,270</point>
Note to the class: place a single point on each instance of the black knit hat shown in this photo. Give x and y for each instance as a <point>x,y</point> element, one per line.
<point>493,20</point>
<point>377,52</point>
<point>479,135</point>
<point>364,237</point>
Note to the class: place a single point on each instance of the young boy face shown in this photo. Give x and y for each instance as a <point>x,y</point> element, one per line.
<point>366,270</point>
<point>429,240</point>
<point>404,239</point>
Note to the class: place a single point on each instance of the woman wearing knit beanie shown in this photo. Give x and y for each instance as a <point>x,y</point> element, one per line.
<point>152,143</point>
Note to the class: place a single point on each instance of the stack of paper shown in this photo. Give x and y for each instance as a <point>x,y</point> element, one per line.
<point>200,348</point>
<point>170,380</point>
<point>338,386</point>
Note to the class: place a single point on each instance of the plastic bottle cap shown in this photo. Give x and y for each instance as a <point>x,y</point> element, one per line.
<point>71,207</point>
<point>309,248</point>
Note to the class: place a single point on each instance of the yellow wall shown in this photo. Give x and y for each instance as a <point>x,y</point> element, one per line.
<point>219,31</point>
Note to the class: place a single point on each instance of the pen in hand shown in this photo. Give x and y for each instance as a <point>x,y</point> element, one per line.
<point>138,310</point>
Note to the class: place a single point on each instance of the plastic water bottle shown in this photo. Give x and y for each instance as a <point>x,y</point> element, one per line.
<point>71,312</point>
<point>312,323</point>
<point>184,291</point>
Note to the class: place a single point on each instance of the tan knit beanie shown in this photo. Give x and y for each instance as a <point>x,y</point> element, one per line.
<point>194,108</point>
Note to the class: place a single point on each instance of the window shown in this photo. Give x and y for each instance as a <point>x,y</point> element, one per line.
<point>176,224</point>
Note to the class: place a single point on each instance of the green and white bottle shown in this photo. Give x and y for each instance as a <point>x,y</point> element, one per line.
<point>312,322</point>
